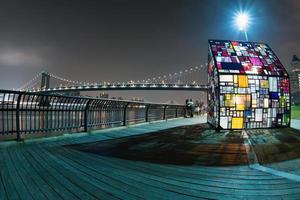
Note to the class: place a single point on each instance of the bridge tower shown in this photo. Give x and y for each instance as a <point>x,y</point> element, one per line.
<point>45,84</point>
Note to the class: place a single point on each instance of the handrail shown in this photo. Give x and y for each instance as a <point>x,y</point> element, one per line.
<point>26,113</point>
<point>82,97</point>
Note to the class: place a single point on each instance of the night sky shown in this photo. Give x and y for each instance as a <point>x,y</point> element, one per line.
<point>134,39</point>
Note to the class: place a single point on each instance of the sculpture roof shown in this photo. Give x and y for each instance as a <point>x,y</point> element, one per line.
<point>245,58</point>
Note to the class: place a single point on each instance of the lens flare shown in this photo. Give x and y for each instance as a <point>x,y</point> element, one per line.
<point>242,21</point>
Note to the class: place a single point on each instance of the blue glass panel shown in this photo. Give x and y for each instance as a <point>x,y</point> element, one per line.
<point>248,113</point>
<point>231,66</point>
<point>274,95</point>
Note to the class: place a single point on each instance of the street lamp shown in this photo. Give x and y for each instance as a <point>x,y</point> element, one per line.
<point>242,20</point>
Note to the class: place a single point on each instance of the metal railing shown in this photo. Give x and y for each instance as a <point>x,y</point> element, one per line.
<point>23,113</point>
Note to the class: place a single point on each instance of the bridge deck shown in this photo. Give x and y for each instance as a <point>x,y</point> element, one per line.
<point>67,168</point>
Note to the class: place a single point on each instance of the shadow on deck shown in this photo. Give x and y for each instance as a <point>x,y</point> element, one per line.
<point>185,145</point>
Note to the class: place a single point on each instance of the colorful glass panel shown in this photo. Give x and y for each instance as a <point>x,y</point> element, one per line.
<point>237,122</point>
<point>243,81</point>
<point>249,86</point>
<point>246,58</point>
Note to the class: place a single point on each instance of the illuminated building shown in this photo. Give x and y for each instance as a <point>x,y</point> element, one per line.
<point>248,86</point>
<point>295,74</point>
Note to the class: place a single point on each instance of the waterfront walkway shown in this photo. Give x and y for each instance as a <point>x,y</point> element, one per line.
<point>177,159</point>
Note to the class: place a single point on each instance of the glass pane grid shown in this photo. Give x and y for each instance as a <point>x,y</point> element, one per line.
<point>248,86</point>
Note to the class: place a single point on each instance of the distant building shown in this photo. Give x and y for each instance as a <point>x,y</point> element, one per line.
<point>295,74</point>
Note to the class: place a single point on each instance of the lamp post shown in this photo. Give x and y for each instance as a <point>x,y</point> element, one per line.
<point>242,21</point>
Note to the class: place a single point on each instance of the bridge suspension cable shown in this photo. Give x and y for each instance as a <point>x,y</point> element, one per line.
<point>29,84</point>
<point>180,77</point>
<point>177,77</point>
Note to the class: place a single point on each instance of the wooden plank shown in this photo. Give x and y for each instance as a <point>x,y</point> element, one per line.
<point>266,185</point>
<point>16,188</point>
<point>84,183</point>
<point>31,173</point>
<point>63,173</point>
<point>131,190</point>
<point>32,188</point>
<point>60,189</point>
<point>166,191</point>
<point>104,186</point>
<point>3,187</point>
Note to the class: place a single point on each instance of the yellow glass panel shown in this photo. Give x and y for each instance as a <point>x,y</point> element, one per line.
<point>254,103</point>
<point>235,79</point>
<point>282,101</point>
<point>266,103</point>
<point>243,81</point>
<point>240,106</point>
<point>229,100</point>
<point>228,96</point>
<point>264,83</point>
<point>237,122</point>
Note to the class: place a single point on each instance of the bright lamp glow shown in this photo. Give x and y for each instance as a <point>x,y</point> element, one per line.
<point>242,21</point>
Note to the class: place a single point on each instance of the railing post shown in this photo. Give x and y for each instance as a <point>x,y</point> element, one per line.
<point>176,112</point>
<point>125,114</point>
<point>18,117</point>
<point>147,113</point>
<point>86,115</point>
<point>165,110</point>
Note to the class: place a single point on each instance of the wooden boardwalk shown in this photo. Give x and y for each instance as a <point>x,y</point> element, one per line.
<point>45,169</point>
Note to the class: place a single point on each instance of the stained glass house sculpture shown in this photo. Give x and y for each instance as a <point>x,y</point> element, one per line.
<point>248,86</point>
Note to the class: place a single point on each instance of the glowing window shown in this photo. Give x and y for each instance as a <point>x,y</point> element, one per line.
<point>235,79</point>
<point>243,81</point>
<point>255,61</point>
<point>258,114</point>
<point>224,122</point>
<point>264,83</point>
<point>273,84</point>
<point>237,122</point>
<point>242,101</point>
<point>226,78</point>
<point>266,103</point>
<point>282,101</point>
<point>229,100</point>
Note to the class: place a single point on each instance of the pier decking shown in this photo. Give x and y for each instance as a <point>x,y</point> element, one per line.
<point>138,162</point>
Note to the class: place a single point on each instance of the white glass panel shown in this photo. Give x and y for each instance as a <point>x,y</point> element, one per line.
<point>273,84</point>
<point>274,112</point>
<point>226,78</point>
<point>224,122</point>
<point>258,115</point>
